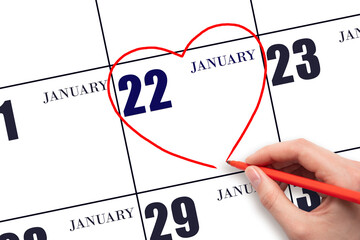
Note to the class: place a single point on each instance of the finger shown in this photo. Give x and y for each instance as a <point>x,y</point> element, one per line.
<point>312,157</point>
<point>300,171</point>
<point>281,165</point>
<point>274,200</point>
<point>289,169</point>
<point>283,186</point>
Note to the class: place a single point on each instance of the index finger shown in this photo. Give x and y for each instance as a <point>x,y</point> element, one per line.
<point>312,157</point>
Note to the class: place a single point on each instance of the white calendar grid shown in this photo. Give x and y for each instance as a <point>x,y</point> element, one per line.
<point>144,194</point>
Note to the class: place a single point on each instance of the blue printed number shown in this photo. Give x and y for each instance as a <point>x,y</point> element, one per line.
<point>30,234</point>
<point>305,71</point>
<point>314,199</point>
<point>7,112</point>
<point>156,102</point>
<point>184,214</point>
<point>130,108</point>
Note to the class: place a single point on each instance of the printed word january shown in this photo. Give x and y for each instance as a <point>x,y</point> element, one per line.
<point>100,219</point>
<point>221,61</point>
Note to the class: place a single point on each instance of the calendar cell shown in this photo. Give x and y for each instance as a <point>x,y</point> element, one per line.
<point>70,146</point>
<point>42,39</point>
<point>168,24</point>
<point>315,106</point>
<point>109,219</point>
<point>196,119</point>
<point>217,208</point>
<point>281,14</point>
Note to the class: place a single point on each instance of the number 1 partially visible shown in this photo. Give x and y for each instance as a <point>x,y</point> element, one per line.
<point>7,111</point>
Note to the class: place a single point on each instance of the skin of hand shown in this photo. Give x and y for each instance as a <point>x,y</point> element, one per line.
<point>334,218</point>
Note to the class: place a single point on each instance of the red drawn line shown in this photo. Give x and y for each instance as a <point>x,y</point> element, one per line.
<point>181,56</point>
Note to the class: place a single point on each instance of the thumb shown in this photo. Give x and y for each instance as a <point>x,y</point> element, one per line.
<point>274,199</point>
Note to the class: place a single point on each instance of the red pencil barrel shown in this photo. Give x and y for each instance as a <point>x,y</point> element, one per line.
<point>328,189</point>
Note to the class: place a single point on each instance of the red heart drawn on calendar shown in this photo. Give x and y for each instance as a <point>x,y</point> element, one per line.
<point>181,54</point>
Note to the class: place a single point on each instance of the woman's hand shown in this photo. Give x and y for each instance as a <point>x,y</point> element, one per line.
<point>334,218</point>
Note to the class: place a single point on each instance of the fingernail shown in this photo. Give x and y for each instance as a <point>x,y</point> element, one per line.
<point>253,176</point>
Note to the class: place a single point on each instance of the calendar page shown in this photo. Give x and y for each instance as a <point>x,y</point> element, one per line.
<point>117,116</point>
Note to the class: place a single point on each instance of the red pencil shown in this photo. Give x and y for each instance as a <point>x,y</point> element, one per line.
<point>320,187</point>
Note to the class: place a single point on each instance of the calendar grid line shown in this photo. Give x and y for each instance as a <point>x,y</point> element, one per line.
<point>179,51</point>
<point>143,192</point>
<point>121,63</point>
<point>290,193</point>
<point>269,90</point>
<point>273,109</point>
<point>190,182</point>
<point>309,24</point>
<point>347,150</point>
<point>267,81</point>
<point>189,49</point>
<point>121,122</point>
<point>66,208</point>
<point>119,197</point>
<point>52,77</point>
